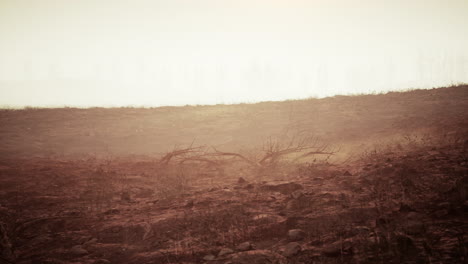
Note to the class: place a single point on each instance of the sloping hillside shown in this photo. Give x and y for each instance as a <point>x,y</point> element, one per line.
<point>342,120</point>
<point>402,201</point>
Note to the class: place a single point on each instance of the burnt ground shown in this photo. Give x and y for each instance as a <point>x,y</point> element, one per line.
<point>391,207</point>
<point>401,202</point>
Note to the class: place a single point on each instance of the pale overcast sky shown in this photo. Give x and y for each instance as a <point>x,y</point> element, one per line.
<point>173,52</point>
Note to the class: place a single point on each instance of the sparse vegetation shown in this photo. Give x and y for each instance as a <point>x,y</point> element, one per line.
<point>400,198</point>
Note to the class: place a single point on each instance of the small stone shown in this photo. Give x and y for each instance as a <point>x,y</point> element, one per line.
<point>285,188</point>
<point>78,250</point>
<point>414,227</point>
<point>91,241</point>
<point>241,180</point>
<point>444,205</point>
<point>362,229</point>
<point>292,205</point>
<point>333,250</point>
<point>292,249</point>
<point>347,173</point>
<point>112,211</point>
<point>296,235</point>
<point>48,261</point>
<point>405,208</point>
<point>189,204</point>
<point>244,246</point>
<point>405,245</point>
<point>225,251</point>
<point>297,194</point>
<point>441,213</point>
<point>5,243</point>
<point>257,256</point>
<point>102,261</point>
<point>125,196</point>
<point>337,249</point>
<point>414,216</point>
<point>209,257</point>
<point>248,186</point>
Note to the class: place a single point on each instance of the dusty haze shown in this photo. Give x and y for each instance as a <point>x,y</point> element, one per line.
<point>152,53</point>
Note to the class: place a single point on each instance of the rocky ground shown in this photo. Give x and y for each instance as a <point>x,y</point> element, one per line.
<point>97,185</point>
<point>392,206</point>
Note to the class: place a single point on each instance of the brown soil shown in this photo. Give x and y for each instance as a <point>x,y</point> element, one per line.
<point>84,185</point>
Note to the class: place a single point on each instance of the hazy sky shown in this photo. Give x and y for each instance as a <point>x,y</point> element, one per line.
<point>172,52</point>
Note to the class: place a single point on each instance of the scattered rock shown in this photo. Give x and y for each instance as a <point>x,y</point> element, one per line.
<point>413,224</point>
<point>441,213</point>
<point>125,197</point>
<point>90,242</point>
<point>297,194</point>
<point>285,188</point>
<point>337,249</point>
<point>333,250</point>
<point>72,213</point>
<point>4,211</point>
<point>257,257</point>
<point>383,221</point>
<point>189,204</point>
<point>445,205</point>
<point>461,188</point>
<point>101,261</point>
<point>244,246</point>
<point>248,186</point>
<point>78,250</point>
<point>300,203</point>
<point>209,257</point>
<point>293,222</point>
<point>362,229</point>
<point>292,249</point>
<point>347,173</point>
<point>405,245</point>
<point>127,234</point>
<point>225,251</point>
<point>414,216</point>
<point>112,211</point>
<point>49,261</point>
<point>144,193</point>
<point>414,227</point>
<point>292,205</point>
<point>241,180</point>
<point>405,208</point>
<point>296,235</point>
<point>5,244</point>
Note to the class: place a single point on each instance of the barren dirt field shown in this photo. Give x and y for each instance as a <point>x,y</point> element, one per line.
<point>347,179</point>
